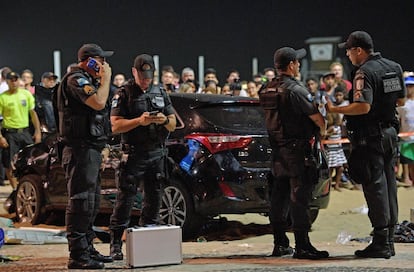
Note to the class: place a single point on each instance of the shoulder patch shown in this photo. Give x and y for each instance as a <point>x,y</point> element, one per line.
<point>88,89</point>
<point>115,101</point>
<point>83,81</point>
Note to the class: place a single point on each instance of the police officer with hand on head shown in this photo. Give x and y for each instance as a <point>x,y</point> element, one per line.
<point>142,112</point>
<point>378,87</point>
<point>82,101</point>
<point>292,120</point>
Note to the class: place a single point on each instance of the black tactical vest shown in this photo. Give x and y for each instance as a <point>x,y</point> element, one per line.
<point>78,123</point>
<point>146,137</point>
<point>284,121</point>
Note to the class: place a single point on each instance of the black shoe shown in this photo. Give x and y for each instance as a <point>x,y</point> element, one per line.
<point>95,255</point>
<point>279,251</point>
<point>323,253</point>
<point>89,264</point>
<point>310,254</point>
<point>374,251</point>
<point>116,254</point>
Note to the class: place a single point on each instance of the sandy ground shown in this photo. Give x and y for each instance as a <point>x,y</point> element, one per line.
<point>343,214</point>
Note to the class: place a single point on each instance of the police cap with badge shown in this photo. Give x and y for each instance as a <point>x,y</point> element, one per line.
<point>145,66</point>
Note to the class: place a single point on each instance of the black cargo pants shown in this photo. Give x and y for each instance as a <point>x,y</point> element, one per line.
<point>82,166</point>
<point>147,168</point>
<point>372,163</point>
<point>295,175</point>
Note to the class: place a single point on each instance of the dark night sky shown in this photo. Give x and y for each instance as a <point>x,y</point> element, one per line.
<point>228,33</point>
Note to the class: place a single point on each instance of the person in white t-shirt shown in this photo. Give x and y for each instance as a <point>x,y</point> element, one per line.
<point>406,114</point>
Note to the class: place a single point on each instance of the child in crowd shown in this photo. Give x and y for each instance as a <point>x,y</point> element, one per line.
<point>335,152</point>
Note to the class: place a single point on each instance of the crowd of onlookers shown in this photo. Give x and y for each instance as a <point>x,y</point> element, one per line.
<point>331,84</point>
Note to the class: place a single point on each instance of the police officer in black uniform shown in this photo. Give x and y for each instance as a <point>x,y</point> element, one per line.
<point>82,101</point>
<point>143,114</point>
<point>292,120</point>
<point>378,87</point>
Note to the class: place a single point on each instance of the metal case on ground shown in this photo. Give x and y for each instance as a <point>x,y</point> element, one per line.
<point>151,246</point>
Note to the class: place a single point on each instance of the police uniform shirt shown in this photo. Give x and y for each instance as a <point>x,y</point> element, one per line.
<point>377,82</point>
<point>294,116</point>
<point>131,102</point>
<point>120,106</point>
<point>301,98</point>
<point>80,87</point>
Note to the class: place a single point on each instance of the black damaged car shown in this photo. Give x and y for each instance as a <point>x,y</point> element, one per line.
<point>219,163</point>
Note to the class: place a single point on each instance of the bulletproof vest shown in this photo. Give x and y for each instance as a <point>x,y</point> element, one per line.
<point>284,121</point>
<point>78,123</point>
<point>146,137</point>
<point>387,83</point>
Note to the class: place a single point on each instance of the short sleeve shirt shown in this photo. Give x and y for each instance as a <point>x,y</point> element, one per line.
<point>80,87</point>
<point>303,100</point>
<point>120,105</point>
<point>15,108</point>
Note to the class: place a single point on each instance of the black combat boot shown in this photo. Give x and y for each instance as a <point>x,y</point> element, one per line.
<point>85,264</point>
<point>391,240</point>
<point>116,245</point>
<point>305,250</point>
<point>95,255</point>
<point>82,260</point>
<point>380,246</point>
<point>281,245</point>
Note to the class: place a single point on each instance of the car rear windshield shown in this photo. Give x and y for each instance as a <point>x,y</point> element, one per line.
<point>248,118</point>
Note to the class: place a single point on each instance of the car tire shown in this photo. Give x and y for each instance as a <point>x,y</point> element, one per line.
<point>29,199</point>
<point>177,208</point>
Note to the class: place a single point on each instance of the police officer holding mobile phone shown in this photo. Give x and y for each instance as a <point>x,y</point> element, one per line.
<point>82,102</point>
<point>142,112</point>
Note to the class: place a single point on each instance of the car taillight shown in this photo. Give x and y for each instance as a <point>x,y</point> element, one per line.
<point>219,142</point>
<point>227,191</point>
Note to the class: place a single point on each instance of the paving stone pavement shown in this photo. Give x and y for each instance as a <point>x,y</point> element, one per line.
<point>218,256</point>
<point>244,255</point>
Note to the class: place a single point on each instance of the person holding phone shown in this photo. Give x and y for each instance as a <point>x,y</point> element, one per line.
<point>142,112</point>
<point>83,107</point>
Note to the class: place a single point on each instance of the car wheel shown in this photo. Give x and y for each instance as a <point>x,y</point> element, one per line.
<point>177,208</point>
<point>29,199</point>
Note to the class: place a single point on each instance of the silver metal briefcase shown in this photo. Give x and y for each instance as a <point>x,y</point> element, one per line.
<point>151,246</point>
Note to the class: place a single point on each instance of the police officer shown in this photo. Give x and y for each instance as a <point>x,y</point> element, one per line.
<point>142,112</point>
<point>82,101</point>
<point>372,125</point>
<point>291,120</point>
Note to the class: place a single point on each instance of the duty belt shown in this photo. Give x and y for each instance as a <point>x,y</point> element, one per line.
<point>14,130</point>
<point>130,148</point>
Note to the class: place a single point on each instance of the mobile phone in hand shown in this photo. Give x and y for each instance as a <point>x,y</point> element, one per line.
<point>153,112</point>
<point>93,64</point>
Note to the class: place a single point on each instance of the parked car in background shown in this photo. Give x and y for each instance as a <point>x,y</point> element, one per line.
<point>219,163</point>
